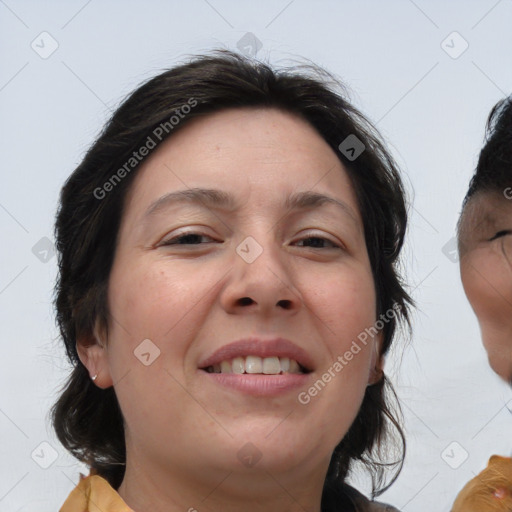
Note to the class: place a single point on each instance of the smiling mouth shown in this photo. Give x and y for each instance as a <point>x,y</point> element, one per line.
<point>258,365</point>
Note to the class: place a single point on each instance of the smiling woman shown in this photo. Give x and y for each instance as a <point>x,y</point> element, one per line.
<point>220,280</point>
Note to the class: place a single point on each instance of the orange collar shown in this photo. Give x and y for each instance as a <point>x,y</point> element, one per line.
<point>94,494</point>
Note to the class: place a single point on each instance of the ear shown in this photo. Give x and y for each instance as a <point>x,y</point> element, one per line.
<point>376,361</point>
<point>92,351</point>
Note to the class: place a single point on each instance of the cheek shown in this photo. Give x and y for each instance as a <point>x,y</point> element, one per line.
<point>488,285</point>
<point>163,302</point>
<point>345,301</point>
<point>152,299</point>
<point>344,307</point>
<point>156,311</point>
<point>487,281</point>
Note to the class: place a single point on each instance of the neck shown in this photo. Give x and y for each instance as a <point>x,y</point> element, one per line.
<point>208,489</point>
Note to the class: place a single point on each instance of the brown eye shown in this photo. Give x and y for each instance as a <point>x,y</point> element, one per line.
<point>187,239</point>
<point>317,242</point>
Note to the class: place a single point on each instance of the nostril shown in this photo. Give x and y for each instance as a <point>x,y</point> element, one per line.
<point>285,304</point>
<point>245,301</point>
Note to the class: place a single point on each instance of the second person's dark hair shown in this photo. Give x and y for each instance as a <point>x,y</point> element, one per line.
<point>494,169</point>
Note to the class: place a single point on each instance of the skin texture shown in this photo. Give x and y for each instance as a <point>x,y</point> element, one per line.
<point>486,270</point>
<point>183,432</point>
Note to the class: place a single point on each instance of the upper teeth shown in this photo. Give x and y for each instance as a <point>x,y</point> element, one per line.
<point>254,364</point>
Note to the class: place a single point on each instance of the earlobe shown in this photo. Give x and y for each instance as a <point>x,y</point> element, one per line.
<point>376,364</point>
<point>93,354</point>
<point>376,374</point>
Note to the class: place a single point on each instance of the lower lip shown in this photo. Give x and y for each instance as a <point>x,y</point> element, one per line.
<point>258,384</point>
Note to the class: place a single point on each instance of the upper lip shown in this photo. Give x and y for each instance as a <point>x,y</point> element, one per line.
<point>275,347</point>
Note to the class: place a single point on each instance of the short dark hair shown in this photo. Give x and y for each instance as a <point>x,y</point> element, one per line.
<point>88,420</point>
<point>494,169</point>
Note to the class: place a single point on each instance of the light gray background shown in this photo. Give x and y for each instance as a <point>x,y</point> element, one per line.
<point>430,107</point>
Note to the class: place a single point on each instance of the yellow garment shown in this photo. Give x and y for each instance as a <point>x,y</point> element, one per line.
<point>94,494</point>
<point>490,490</point>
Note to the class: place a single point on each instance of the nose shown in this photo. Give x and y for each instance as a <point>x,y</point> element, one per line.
<point>264,286</point>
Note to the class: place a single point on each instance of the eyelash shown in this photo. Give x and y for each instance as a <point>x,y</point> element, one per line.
<point>501,233</point>
<point>313,237</point>
<point>176,240</point>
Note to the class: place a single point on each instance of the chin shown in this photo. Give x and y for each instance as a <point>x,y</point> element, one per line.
<point>502,367</point>
<point>506,376</point>
<point>277,452</point>
<point>499,352</point>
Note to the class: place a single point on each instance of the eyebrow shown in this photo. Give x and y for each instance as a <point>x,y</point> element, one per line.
<point>218,199</point>
<point>305,200</point>
<point>208,197</point>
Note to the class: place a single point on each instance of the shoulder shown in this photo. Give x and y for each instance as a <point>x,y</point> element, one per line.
<point>343,497</point>
<point>374,506</point>
<point>94,493</point>
<point>363,504</point>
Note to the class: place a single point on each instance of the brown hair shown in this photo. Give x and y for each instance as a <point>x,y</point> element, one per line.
<point>87,419</point>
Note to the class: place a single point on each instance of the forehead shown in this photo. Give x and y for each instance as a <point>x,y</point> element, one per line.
<point>483,213</point>
<point>265,132</point>
<point>243,151</point>
<point>485,208</point>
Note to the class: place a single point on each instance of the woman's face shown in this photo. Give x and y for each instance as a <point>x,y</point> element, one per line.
<point>486,271</point>
<point>242,226</point>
